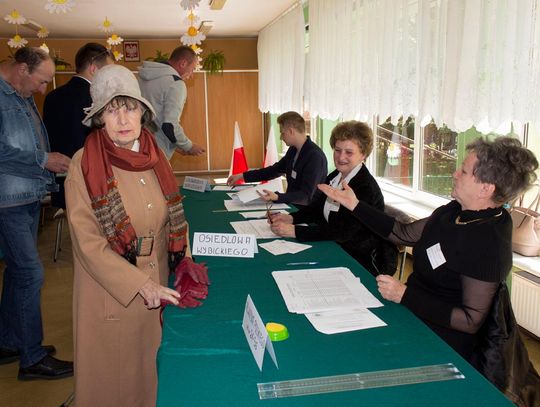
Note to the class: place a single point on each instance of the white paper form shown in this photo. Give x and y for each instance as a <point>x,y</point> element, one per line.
<point>222,188</point>
<point>259,214</point>
<point>251,194</point>
<point>258,227</point>
<point>318,290</point>
<point>277,247</point>
<point>332,322</point>
<point>234,206</point>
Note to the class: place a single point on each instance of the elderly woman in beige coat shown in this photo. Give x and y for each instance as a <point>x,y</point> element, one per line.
<point>128,230</point>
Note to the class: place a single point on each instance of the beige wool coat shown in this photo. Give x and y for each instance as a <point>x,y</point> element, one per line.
<point>115,336</point>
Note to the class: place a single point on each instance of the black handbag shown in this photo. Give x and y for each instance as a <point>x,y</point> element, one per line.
<point>501,355</point>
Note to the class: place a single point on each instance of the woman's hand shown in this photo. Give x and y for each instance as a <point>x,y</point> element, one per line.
<point>268,195</point>
<point>280,218</point>
<point>283,229</point>
<point>345,196</point>
<point>153,293</point>
<point>390,288</point>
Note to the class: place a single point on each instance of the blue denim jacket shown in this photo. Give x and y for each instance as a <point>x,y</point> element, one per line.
<point>23,177</point>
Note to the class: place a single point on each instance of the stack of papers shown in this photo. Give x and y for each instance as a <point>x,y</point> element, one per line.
<point>234,205</point>
<point>277,247</point>
<point>260,228</point>
<point>252,194</point>
<point>259,214</point>
<point>333,299</point>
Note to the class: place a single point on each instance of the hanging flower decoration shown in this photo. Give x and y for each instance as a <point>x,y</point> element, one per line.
<point>44,47</point>
<point>192,37</point>
<point>17,41</point>
<point>196,49</point>
<point>189,4</point>
<point>15,18</point>
<point>191,19</point>
<point>43,32</point>
<point>106,26</point>
<point>117,55</point>
<point>59,6</point>
<point>115,40</point>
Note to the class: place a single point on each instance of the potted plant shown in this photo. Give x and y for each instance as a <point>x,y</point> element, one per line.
<point>160,57</point>
<point>214,62</point>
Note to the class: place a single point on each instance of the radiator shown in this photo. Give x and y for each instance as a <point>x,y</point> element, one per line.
<point>525,297</point>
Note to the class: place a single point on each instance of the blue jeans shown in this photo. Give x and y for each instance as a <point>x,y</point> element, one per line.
<point>20,306</point>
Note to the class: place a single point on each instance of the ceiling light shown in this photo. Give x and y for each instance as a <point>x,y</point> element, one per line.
<point>206,26</point>
<point>216,4</point>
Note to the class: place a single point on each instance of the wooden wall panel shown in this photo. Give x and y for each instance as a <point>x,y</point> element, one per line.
<point>233,96</point>
<point>193,121</point>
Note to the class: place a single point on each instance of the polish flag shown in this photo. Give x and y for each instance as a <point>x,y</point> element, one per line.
<point>238,159</point>
<point>271,155</point>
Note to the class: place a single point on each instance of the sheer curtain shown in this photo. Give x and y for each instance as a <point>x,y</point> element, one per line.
<point>459,62</point>
<point>362,58</point>
<point>281,57</point>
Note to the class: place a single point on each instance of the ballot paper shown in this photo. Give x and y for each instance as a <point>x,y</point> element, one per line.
<point>319,290</point>
<point>233,206</point>
<point>260,228</point>
<point>277,247</point>
<point>222,188</point>
<point>332,322</point>
<point>252,194</point>
<point>259,214</point>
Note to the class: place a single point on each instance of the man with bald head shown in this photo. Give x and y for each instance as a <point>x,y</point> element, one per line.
<point>26,174</point>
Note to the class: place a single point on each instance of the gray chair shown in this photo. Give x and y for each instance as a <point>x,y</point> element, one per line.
<point>401,217</point>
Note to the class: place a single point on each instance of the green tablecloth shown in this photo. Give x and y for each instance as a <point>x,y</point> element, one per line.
<point>204,359</point>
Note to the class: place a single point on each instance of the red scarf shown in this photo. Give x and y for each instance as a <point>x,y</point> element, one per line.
<point>99,155</point>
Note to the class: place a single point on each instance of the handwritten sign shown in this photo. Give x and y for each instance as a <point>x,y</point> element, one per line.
<point>224,244</point>
<point>256,334</point>
<point>196,184</point>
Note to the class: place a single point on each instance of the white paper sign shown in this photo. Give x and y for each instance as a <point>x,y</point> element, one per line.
<point>196,184</point>
<point>223,244</point>
<point>256,334</point>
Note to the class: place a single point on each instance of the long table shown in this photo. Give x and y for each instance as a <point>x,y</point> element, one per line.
<point>204,359</point>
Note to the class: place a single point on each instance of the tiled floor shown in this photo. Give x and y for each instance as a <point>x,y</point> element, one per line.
<point>56,307</point>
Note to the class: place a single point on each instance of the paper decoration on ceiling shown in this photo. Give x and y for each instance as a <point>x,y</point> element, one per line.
<point>113,41</point>
<point>106,26</point>
<point>59,6</point>
<point>43,33</point>
<point>193,37</point>
<point>189,4</point>
<point>16,19</point>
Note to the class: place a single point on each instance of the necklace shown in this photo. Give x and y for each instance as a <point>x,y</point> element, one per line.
<point>459,222</point>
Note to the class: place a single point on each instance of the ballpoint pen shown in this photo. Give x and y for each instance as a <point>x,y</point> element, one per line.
<point>301,263</point>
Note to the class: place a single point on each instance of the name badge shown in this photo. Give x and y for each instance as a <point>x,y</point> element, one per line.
<point>293,174</point>
<point>435,256</point>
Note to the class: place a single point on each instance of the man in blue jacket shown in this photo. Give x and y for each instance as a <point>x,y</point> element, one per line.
<point>26,174</point>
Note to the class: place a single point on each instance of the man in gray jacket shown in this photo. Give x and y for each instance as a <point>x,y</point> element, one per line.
<point>163,85</point>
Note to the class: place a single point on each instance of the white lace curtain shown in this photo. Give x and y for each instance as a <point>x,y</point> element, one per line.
<point>281,58</point>
<point>460,62</point>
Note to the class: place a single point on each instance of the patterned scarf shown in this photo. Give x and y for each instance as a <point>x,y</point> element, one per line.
<point>99,155</point>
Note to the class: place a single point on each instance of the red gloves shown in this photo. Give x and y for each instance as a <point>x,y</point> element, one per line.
<point>191,281</point>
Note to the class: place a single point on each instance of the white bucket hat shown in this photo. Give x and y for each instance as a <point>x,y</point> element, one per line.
<point>109,82</point>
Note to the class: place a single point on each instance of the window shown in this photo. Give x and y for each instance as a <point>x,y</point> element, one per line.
<point>394,148</point>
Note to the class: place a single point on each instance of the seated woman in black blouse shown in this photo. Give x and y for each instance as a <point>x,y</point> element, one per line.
<point>463,250</point>
<point>352,142</point>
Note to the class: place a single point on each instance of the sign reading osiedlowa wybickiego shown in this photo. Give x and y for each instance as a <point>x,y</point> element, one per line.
<point>224,244</point>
